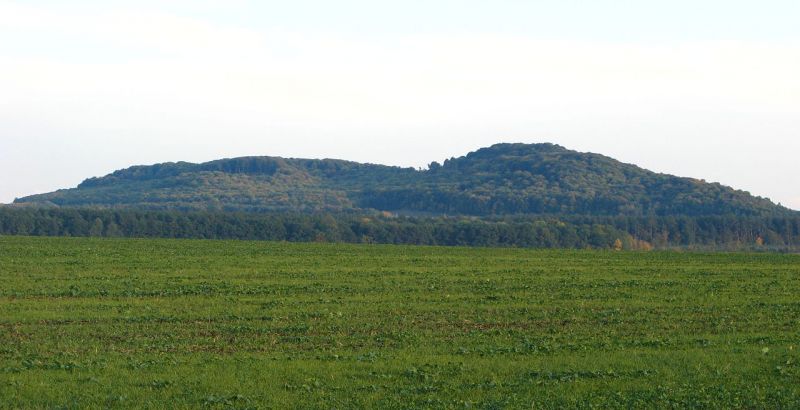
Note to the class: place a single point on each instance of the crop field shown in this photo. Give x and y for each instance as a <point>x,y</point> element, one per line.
<point>122,323</point>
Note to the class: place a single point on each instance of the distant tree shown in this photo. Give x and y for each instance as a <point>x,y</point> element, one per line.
<point>113,231</point>
<point>96,229</point>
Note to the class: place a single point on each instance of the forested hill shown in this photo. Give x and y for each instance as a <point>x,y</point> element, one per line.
<point>504,179</point>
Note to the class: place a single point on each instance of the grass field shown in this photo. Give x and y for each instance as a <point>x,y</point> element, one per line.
<point>88,323</point>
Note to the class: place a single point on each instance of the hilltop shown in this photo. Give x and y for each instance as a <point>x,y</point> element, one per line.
<point>504,179</point>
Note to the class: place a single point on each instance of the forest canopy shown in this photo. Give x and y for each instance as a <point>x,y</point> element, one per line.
<point>630,233</point>
<point>501,180</point>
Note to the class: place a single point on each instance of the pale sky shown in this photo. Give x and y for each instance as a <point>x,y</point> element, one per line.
<point>703,88</point>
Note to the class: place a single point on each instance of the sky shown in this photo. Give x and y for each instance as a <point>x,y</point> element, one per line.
<point>703,88</point>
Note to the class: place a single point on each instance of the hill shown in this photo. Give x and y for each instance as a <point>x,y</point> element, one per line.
<point>504,179</point>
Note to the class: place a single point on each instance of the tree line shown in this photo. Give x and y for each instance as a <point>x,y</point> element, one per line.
<point>632,233</point>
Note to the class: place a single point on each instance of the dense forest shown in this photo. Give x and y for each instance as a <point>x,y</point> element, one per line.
<point>631,233</point>
<point>502,180</point>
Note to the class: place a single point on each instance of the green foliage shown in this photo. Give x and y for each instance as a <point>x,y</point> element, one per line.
<point>505,179</point>
<point>120,323</point>
<point>633,233</point>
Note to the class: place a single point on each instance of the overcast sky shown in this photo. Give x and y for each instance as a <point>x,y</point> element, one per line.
<point>702,88</point>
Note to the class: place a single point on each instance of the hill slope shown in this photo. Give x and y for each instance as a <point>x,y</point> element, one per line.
<point>503,179</point>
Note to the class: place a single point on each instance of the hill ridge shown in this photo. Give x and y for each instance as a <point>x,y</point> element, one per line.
<point>502,179</point>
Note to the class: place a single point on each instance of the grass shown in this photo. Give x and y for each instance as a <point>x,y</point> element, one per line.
<point>93,323</point>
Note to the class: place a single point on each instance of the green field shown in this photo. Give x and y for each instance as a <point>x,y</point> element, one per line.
<point>88,323</point>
